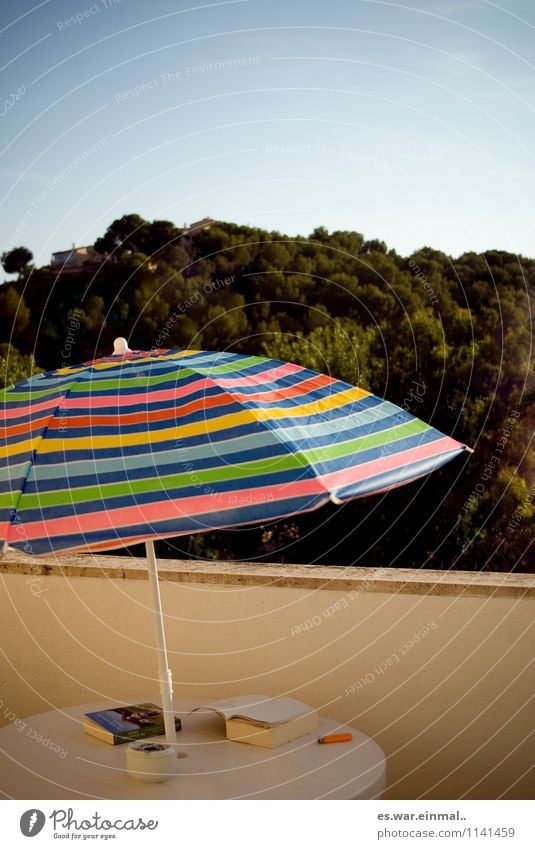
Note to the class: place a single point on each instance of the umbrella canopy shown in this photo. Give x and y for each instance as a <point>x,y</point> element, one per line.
<point>151,444</point>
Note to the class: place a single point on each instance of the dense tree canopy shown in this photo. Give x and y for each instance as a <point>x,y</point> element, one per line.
<point>449,339</point>
<point>132,234</point>
<point>17,260</point>
<point>15,366</point>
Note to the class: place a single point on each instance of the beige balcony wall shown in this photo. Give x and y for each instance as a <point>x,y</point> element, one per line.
<point>450,707</point>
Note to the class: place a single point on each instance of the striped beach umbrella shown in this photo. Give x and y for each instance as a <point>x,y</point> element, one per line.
<point>143,445</point>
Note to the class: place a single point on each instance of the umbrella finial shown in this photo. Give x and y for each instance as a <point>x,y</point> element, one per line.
<point>120,346</point>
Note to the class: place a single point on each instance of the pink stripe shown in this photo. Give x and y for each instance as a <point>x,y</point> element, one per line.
<point>336,480</point>
<point>29,409</point>
<point>144,398</point>
<point>154,395</point>
<point>121,542</point>
<point>162,510</point>
<point>258,379</point>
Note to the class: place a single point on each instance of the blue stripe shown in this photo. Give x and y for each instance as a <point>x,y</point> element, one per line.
<point>178,465</point>
<point>396,476</point>
<point>76,469</point>
<point>69,455</point>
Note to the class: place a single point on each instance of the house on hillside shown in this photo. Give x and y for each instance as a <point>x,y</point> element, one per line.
<point>76,260</point>
<point>191,230</point>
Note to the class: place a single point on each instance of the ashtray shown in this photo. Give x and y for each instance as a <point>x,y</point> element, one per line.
<point>151,760</point>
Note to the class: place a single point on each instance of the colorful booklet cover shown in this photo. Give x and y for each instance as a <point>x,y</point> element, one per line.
<point>129,722</point>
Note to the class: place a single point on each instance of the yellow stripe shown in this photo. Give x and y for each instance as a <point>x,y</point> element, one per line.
<point>25,447</point>
<point>313,408</point>
<point>208,426</point>
<point>149,359</point>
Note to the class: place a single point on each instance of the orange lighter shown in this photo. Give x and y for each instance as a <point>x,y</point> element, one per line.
<point>335,738</point>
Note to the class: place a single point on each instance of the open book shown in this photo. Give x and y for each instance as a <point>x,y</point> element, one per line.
<point>264,720</point>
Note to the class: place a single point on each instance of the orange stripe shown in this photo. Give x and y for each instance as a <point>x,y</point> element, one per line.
<point>145,417</point>
<point>27,427</point>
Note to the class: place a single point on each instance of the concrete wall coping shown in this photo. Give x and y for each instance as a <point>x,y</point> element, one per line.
<point>343,578</point>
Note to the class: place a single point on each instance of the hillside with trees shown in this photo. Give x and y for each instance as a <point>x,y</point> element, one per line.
<point>448,338</point>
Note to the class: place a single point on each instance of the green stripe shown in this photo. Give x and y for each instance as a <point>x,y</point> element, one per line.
<point>97,384</point>
<point>9,499</point>
<point>57,391</point>
<point>362,443</point>
<point>244,364</point>
<point>199,478</point>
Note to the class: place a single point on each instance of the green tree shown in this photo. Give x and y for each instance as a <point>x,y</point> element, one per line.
<point>158,238</point>
<point>340,349</point>
<point>124,235</point>
<point>15,314</point>
<point>374,246</point>
<point>17,261</point>
<point>15,366</point>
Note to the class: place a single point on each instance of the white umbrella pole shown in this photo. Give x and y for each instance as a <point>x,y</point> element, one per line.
<point>166,678</point>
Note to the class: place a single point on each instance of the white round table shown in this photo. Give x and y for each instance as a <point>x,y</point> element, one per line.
<point>48,756</point>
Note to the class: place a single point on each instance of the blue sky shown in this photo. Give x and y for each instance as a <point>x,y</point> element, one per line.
<point>410,123</point>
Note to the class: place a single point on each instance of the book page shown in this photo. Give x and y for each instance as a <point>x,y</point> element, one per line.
<point>264,709</point>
